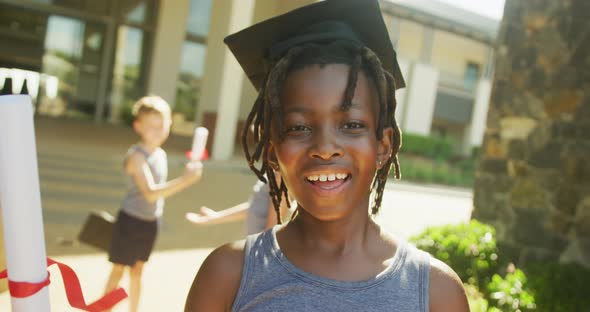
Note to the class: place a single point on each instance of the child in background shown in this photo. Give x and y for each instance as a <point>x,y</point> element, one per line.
<point>325,120</point>
<point>146,168</point>
<point>258,211</point>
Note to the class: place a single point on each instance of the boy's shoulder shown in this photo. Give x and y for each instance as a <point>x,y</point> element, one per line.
<point>228,255</point>
<point>218,279</point>
<point>225,263</point>
<point>446,289</point>
<point>134,160</point>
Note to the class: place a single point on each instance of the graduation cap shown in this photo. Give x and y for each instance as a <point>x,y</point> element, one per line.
<point>359,21</point>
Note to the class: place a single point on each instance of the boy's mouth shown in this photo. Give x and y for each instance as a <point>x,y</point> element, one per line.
<point>328,181</point>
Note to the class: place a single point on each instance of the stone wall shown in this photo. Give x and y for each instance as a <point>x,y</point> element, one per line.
<point>533,183</point>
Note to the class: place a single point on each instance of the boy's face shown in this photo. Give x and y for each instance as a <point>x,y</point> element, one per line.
<point>328,156</point>
<point>153,128</point>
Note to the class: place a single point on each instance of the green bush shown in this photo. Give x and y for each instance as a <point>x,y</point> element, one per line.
<point>428,146</point>
<point>424,170</point>
<point>511,293</point>
<point>559,287</point>
<point>477,303</point>
<point>470,249</point>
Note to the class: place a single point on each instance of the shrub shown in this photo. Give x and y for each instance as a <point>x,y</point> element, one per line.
<point>470,249</point>
<point>559,287</point>
<point>511,293</point>
<point>424,170</point>
<point>428,146</point>
<point>477,303</point>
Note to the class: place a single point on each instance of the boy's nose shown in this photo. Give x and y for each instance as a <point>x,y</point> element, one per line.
<point>325,146</point>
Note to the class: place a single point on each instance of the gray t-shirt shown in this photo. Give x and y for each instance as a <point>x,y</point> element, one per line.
<point>270,282</point>
<point>134,203</point>
<point>258,208</point>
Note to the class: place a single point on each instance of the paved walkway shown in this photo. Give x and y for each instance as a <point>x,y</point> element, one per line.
<point>407,209</point>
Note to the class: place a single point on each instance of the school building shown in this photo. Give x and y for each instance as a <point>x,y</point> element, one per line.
<point>90,60</point>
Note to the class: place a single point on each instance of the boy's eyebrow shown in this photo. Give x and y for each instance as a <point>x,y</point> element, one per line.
<point>303,110</point>
<point>297,109</point>
<point>353,104</point>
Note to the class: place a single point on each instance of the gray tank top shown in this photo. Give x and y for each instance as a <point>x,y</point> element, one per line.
<point>134,202</point>
<point>270,282</point>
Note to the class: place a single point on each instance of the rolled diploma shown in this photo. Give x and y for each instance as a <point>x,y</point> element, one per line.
<point>199,143</point>
<point>20,200</point>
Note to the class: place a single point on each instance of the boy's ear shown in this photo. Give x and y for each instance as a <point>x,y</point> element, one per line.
<point>385,147</point>
<point>135,125</point>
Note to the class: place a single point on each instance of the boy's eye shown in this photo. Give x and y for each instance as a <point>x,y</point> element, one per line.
<point>352,125</point>
<point>296,130</point>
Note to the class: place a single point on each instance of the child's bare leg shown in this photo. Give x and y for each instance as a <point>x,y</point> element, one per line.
<point>135,272</point>
<point>114,278</point>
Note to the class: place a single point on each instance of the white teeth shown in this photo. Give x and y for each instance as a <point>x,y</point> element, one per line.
<point>327,177</point>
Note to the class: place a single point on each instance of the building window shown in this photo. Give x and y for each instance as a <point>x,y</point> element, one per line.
<point>135,26</point>
<point>127,85</point>
<point>471,75</point>
<point>136,12</point>
<point>198,19</point>
<point>192,65</point>
<point>189,81</point>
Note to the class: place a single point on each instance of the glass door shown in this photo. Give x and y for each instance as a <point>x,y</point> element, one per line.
<point>127,82</point>
<point>71,62</point>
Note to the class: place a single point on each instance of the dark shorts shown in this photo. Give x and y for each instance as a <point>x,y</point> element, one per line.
<point>133,239</point>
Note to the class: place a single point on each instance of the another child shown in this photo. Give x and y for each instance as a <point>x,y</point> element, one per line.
<point>258,211</point>
<point>146,167</point>
<point>325,120</point>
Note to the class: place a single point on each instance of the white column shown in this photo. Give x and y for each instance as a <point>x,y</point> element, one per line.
<point>420,99</point>
<point>170,34</point>
<point>479,116</point>
<point>400,95</point>
<point>224,77</point>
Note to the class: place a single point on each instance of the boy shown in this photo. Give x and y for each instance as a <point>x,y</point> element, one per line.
<point>146,168</point>
<point>325,121</point>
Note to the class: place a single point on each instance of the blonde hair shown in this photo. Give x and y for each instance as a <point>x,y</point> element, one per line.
<point>151,104</point>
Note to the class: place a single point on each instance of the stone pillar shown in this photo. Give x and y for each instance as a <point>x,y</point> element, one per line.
<point>533,182</point>
<point>170,33</point>
<point>420,98</point>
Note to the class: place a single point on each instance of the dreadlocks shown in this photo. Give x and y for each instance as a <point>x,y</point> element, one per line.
<point>267,110</point>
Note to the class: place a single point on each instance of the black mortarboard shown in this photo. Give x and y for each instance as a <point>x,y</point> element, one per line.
<point>357,20</point>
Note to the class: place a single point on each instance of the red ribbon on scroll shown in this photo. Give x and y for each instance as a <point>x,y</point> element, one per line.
<point>72,287</point>
<point>205,156</point>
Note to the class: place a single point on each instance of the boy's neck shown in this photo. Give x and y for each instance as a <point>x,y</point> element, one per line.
<point>341,234</point>
<point>150,148</point>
